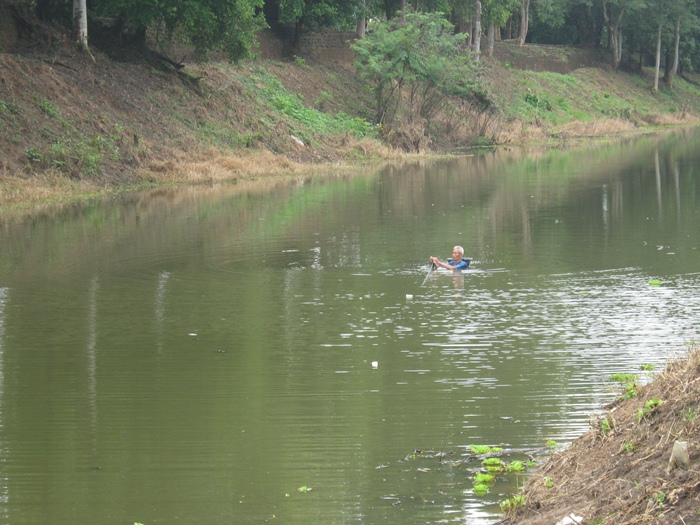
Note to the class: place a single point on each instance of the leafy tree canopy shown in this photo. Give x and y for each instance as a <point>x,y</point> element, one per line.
<point>207,24</point>
<point>423,53</point>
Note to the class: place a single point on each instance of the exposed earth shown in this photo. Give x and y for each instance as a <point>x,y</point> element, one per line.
<point>73,124</point>
<point>618,472</point>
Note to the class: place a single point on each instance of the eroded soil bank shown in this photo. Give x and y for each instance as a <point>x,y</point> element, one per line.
<point>618,472</point>
<point>72,127</point>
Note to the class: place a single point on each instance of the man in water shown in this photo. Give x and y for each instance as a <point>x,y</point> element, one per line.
<point>456,263</point>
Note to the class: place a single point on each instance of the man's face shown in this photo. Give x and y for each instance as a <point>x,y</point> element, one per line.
<point>456,255</point>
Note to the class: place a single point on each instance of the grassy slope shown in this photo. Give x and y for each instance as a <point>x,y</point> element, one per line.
<point>70,125</point>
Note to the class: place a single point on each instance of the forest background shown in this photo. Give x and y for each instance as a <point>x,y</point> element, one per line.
<point>100,95</point>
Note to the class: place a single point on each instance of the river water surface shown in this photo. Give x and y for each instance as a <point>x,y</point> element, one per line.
<point>277,352</point>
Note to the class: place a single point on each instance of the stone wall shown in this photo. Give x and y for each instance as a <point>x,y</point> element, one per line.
<point>8,29</point>
<point>320,45</point>
<point>539,57</point>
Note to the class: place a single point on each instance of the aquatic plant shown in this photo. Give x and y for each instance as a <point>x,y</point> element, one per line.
<point>630,383</point>
<point>480,489</point>
<point>483,478</point>
<point>624,378</point>
<point>649,407</point>
<point>493,465</point>
<point>511,505</point>
<point>515,466</point>
<point>484,449</point>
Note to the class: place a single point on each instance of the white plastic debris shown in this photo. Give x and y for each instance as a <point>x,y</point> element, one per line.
<point>409,296</point>
<point>375,364</point>
<point>571,519</point>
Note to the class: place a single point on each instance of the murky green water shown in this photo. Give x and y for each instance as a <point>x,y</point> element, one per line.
<point>196,356</point>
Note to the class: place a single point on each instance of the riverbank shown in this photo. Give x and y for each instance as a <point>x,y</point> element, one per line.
<point>72,127</point>
<point>619,471</point>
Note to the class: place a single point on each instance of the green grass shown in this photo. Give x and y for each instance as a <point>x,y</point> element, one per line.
<point>307,119</point>
<point>48,107</point>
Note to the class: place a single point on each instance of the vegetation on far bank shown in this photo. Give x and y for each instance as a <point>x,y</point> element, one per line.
<point>75,125</point>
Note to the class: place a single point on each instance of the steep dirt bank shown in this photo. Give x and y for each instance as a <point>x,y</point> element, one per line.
<point>71,126</point>
<point>618,472</point>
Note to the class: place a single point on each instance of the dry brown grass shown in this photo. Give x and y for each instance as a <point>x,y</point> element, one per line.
<point>213,165</point>
<point>519,133</point>
<point>595,128</point>
<point>48,188</point>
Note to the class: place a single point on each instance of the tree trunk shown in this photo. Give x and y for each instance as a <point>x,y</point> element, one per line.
<point>80,30</point>
<point>657,68</point>
<point>614,35</point>
<point>403,13</point>
<point>491,37</point>
<point>674,68</point>
<point>524,20</point>
<point>361,25</point>
<point>477,32</point>
<point>617,48</point>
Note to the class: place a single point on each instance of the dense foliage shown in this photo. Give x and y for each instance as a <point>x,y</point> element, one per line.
<point>421,56</point>
<point>635,32</point>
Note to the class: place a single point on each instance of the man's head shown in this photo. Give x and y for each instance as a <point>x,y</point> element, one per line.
<point>457,252</point>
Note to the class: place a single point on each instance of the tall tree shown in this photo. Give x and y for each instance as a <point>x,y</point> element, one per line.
<point>420,58</point>
<point>477,31</point>
<point>80,27</point>
<point>677,40</point>
<point>682,10</point>
<point>524,20</point>
<point>613,13</point>
<point>497,13</point>
<point>657,62</point>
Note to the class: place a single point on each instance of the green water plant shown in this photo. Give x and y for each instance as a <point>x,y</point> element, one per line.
<point>511,505</point>
<point>482,482</point>
<point>484,449</point>
<point>483,478</point>
<point>494,465</point>
<point>654,282</point>
<point>515,466</point>
<point>480,489</point>
<point>629,382</point>
<point>648,408</point>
